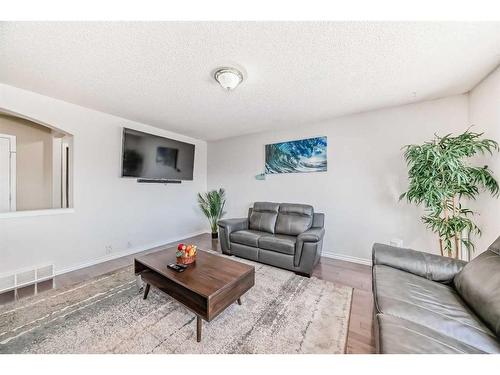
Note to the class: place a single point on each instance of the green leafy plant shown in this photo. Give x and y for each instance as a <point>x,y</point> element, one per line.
<point>212,204</point>
<point>440,178</point>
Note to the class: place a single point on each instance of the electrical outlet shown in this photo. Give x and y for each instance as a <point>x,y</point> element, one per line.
<point>129,245</point>
<point>108,248</point>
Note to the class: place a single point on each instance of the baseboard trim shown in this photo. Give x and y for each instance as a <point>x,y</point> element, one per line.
<point>346,258</point>
<point>120,254</point>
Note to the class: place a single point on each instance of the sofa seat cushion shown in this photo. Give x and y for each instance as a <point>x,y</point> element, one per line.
<point>279,243</point>
<point>244,251</point>
<point>418,339</point>
<point>247,237</point>
<point>433,305</point>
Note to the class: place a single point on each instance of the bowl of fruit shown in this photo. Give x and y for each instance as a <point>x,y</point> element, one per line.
<point>186,254</point>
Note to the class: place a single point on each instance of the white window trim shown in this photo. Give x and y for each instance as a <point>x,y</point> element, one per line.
<point>31,213</point>
<point>12,170</point>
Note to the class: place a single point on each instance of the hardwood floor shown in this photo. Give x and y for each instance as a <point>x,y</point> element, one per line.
<point>359,277</point>
<point>360,338</point>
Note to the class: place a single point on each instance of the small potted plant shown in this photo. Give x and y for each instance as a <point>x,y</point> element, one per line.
<point>212,204</point>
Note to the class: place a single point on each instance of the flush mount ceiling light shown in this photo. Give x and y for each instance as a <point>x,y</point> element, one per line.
<point>228,78</point>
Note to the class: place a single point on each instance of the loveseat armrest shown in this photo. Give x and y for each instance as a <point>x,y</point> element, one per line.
<point>226,227</point>
<point>313,237</point>
<point>232,225</point>
<point>432,267</point>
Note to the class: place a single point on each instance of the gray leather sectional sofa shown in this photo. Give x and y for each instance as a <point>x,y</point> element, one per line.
<point>426,303</point>
<point>284,235</point>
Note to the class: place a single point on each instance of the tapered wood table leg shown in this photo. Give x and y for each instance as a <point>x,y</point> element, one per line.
<point>239,301</point>
<point>198,328</point>
<point>146,291</point>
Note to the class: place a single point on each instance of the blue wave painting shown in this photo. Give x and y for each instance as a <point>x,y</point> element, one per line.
<point>305,155</point>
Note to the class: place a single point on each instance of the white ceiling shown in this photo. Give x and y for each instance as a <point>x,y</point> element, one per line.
<point>160,73</point>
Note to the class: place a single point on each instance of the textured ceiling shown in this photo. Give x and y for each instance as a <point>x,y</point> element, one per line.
<point>160,73</point>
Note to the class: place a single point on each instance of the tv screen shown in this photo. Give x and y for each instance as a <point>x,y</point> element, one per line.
<point>150,156</point>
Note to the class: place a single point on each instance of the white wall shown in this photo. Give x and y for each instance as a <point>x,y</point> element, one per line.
<point>366,174</point>
<point>359,193</point>
<point>108,210</point>
<point>484,114</point>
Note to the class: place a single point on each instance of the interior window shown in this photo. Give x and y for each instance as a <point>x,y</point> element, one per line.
<point>35,166</point>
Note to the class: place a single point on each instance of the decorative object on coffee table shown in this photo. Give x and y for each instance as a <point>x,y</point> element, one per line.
<point>212,204</point>
<point>206,288</point>
<point>186,254</point>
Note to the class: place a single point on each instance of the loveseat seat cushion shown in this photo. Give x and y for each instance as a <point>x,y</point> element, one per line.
<point>247,237</point>
<point>431,304</point>
<point>263,216</point>
<point>418,339</point>
<point>280,243</point>
<point>293,219</point>
<point>479,285</point>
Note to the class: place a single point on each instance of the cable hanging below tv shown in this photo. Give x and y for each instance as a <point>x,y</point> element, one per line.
<point>158,181</point>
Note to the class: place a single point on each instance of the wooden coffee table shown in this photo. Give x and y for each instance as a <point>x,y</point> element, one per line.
<point>206,287</point>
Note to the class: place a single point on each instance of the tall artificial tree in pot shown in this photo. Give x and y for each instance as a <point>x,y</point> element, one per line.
<point>212,204</point>
<point>440,178</point>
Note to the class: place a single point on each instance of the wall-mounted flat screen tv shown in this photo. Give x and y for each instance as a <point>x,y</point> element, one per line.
<point>153,157</point>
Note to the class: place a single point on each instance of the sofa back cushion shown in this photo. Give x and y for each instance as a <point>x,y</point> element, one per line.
<point>318,220</point>
<point>495,246</point>
<point>294,219</point>
<point>479,285</point>
<point>263,216</point>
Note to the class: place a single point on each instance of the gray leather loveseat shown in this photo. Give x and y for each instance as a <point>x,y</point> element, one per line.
<point>284,235</point>
<point>426,303</point>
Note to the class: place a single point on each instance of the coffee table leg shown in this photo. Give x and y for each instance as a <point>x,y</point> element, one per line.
<point>198,328</point>
<point>239,301</point>
<point>146,291</point>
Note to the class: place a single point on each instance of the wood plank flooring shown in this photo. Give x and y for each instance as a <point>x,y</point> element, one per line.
<point>360,337</point>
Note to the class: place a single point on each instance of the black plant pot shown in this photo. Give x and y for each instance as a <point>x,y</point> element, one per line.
<point>215,235</point>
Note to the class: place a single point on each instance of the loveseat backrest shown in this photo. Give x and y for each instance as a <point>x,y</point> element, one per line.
<point>294,219</point>
<point>263,216</point>
<point>300,213</point>
<point>318,220</point>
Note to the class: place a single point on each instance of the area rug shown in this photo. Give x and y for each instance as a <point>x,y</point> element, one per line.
<point>282,313</point>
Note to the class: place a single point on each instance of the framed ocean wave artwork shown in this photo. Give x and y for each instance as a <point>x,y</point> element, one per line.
<point>304,155</point>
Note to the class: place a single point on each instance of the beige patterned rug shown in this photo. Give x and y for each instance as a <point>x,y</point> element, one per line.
<point>282,313</point>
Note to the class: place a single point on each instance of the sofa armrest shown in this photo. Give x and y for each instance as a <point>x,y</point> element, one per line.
<point>232,225</point>
<point>311,236</point>
<point>432,267</point>
<point>226,227</point>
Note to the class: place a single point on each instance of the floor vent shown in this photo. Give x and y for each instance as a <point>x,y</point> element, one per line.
<point>26,277</point>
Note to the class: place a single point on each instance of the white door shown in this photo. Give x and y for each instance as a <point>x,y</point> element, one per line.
<point>7,173</point>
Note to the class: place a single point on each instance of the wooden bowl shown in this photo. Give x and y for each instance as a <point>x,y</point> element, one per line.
<point>186,260</point>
